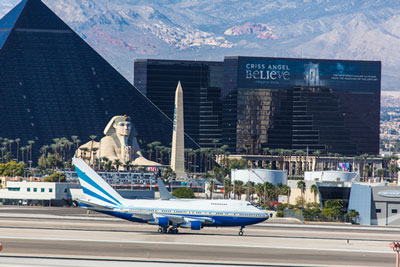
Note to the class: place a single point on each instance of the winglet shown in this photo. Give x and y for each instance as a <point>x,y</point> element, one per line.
<point>164,194</point>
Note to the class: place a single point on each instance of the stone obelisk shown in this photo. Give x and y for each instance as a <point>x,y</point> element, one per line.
<point>178,137</point>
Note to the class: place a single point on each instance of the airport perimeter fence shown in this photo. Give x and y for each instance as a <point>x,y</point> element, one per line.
<point>288,213</point>
<point>299,214</point>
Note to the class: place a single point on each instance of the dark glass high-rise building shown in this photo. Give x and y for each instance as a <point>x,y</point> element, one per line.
<point>302,104</point>
<point>202,83</point>
<point>53,84</point>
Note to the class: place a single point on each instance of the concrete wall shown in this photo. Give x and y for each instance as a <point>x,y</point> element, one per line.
<point>259,176</point>
<point>331,176</point>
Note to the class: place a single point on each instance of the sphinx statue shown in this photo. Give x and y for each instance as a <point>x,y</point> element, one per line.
<point>119,142</point>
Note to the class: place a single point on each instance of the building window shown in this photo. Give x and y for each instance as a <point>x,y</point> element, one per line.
<point>14,189</point>
<point>28,189</point>
<point>34,189</point>
<point>378,211</point>
<point>394,210</point>
<point>50,190</point>
<point>42,190</point>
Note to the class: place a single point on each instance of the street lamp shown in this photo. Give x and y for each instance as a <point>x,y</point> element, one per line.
<point>248,187</point>
<point>396,248</point>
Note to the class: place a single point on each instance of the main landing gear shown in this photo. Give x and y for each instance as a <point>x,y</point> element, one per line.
<point>241,231</point>
<point>171,230</point>
<point>162,230</point>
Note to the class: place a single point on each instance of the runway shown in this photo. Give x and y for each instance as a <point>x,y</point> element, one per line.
<point>69,237</point>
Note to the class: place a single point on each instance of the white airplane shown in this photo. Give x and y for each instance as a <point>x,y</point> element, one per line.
<point>168,212</point>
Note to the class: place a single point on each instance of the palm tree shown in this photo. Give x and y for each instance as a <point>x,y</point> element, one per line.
<point>300,153</point>
<point>238,189</point>
<point>3,151</point>
<point>5,143</point>
<point>364,157</point>
<point>302,186</point>
<point>314,190</point>
<point>337,156</point>
<point>316,153</point>
<point>190,159</point>
<point>17,140</point>
<point>211,187</point>
<point>94,151</point>
<point>286,191</point>
<point>157,146</point>
<point>117,163</point>
<point>69,145</point>
<point>92,137</point>
<point>227,188</point>
<point>74,138</point>
<point>224,149</point>
<point>127,165</point>
<point>83,152</point>
<point>103,162</point>
<point>10,142</point>
<point>168,151</point>
<point>30,142</point>
<point>23,153</point>
<point>250,190</point>
<point>367,170</point>
<point>162,151</point>
<point>260,192</point>
<point>268,190</point>
<point>281,153</point>
<point>202,152</point>
<point>381,174</point>
<point>78,141</point>
<point>108,165</point>
<point>393,170</point>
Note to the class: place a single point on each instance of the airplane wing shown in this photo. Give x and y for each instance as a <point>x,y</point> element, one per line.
<point>182,220</point>
<point>147,216</point>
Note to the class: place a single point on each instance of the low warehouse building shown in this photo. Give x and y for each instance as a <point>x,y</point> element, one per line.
<point>37,193</point>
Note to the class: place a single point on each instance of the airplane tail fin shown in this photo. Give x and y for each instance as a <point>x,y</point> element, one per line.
<point>95,189</point>
<point>164,194</point>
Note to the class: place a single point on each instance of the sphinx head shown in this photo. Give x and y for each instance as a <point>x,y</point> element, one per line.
<point>119,125</point>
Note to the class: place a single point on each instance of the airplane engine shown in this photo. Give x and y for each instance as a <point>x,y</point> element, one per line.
<point>195,225</point>
<point>163,221</point>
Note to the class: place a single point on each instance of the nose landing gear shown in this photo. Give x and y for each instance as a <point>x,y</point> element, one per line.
<point>241,231</point>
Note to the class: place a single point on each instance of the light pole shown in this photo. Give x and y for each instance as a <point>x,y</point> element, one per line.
<point>248,187</point>
<point>396,248</point>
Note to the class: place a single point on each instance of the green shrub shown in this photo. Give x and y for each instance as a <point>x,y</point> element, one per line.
<point>183,192</point>
<point>279,214</point>
<point>56,177</point>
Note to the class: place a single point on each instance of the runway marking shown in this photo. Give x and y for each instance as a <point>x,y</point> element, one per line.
<point>195,244</point>
<point>193,263</point>
<point>368,228</point>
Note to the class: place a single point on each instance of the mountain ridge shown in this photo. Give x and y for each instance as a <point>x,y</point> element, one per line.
<point>211,29</point>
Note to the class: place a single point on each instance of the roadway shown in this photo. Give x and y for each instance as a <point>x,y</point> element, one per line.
<point>70,237</point>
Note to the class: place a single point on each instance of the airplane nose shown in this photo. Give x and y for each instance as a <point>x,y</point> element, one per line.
<point>266,216</point>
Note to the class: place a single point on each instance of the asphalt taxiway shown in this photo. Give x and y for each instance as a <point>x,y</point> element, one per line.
<point>70,237</point>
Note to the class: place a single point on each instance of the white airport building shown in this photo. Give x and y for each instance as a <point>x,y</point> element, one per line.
<point>37,193</point>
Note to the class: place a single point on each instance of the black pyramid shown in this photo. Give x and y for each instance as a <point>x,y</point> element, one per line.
<point>53,84</point>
